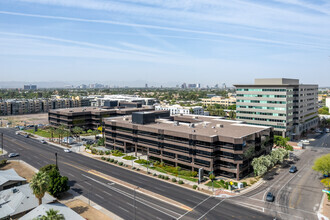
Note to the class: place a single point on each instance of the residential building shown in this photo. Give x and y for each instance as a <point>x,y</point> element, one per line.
<point>178,109</point>
<point>61,208</point>
<point>88,117</point>
<point>9,178</point>
<point>16,202</point>
<point>189,141</point>
<point>220,101</point>
<point>286,105</point>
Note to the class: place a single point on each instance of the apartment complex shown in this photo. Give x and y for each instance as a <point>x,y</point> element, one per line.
<point>191,142</point>
<point>32,106</point>
<point>219,100</point>
<point>88,117</point>
<point>178,109</point>
<point>286,105</point>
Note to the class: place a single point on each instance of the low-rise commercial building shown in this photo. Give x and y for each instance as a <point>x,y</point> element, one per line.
<point>107,99</point>
<point>88,117</point>
<point>192,142</point>
<point>178,109</point>
<point>220,101</point>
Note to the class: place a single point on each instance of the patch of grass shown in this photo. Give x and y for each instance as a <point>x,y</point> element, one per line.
<point>117,153</point>
<point>129,158</point>
<point>42,133</point>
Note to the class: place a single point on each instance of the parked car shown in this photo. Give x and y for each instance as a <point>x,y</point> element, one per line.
<point>305,141</point>
<point>13,155</point>
<point>293,169</point>
<point>327,130</point>
<point>67,150</point>
<point>270,197</point>
<point>318,131</point>
<point>26,136</point>
<point>43,142</point>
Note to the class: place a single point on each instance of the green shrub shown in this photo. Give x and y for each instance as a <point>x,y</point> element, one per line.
<point>129,158</point>
<point>142,161</point>
<point>133,168</point>
<point>101,152</point>
<point>235,183</point>
<point>166,177</point>
<point>112,160</point>
<point>222,181</point>
<point>244,184</point>
<point>94,151</point>
<point>107,152</point>
<point>194,186</point>
<point>108,159</point>
<point>163,177</point>
<point>181,182</point>
<point>117,153</point>
<point>138,169</point>
<point>159,176</point>
<point>173,180</point>
<point>116,161</point>
<point>120,163</point>
<point>3,162</point>
<point>103,158</point>
<point>155,174</point>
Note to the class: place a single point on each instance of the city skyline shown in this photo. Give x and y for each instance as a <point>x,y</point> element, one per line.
<point>154,41</point>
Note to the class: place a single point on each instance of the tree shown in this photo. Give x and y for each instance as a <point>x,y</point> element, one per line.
<point>95,132</point>
<point>52,132</point>
<point>57,183</point>
<point>39,185</point>
<point>326,182</point>
<point>51,214</point>
<point>77,131</point>
<point>212,177</point>
<point>259,167</point>
<point>322,164</point>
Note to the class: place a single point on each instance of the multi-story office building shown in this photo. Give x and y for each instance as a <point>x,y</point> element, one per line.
<point>191,142</point>
<point>88,117</point>
<point>106,99</point>
<point>30,87</point>
<point>178,109</point>
<point>286,105</point>
<point>220,101</point>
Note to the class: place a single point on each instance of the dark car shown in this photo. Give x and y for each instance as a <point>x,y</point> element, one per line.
<point>293,169</point>
<point>43,142</point>
<point>26,136</point>
<point>13,155</point>
<point>270,197</point>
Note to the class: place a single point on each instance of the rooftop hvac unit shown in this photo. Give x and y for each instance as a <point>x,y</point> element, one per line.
<point>192,125</point>
<point>219,125</point>
<point>125,119</point>
<point>176,123</point>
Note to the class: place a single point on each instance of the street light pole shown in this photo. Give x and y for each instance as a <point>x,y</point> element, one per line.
<point>2,142</point>
<point>56,159</point>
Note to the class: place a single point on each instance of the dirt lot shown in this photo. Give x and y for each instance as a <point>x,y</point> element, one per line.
<point>20,168</point>
<point>86,211</point>
<point>21,120</point>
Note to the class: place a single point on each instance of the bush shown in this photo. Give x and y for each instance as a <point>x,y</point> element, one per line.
<point>173,180</point>
<point>117,153</point>
<point>163,177</point>
<point>94,151</point>
<point>166,177</point>
<point>159,176</point>
<point>181,182</point>
<point>129,158</point>
<point>142,161</point>
<point>194,186</point>
<point>125,165</point>
<point>235,183</point>
<point>3,162</point>
<point>108,159</point>
<point>103,158</point>
<point>112,160</point>
<point>116,161</point>
<point>101,152</point>
<point>244,184</point>
<point>107,152</point>
<point>133,168</point>
<point>148,172</point>
<point>155,174</point>
<point>138,169</point>
<point>120,163</point>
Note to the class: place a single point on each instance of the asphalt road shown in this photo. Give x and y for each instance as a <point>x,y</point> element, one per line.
<point>120,200</point>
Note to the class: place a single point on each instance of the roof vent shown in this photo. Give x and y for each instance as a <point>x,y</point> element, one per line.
<point>219,125</point>
<point>213,127</point>
<point>176,123</point>
<point>125,119</point>
<point>192,125</point>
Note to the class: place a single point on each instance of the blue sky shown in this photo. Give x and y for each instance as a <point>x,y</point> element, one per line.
<point>161,41</point>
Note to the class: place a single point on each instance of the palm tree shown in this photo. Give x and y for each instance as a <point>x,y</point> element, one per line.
<point>39,185</point>
<point>51,214</point>
<point>52,131</point>
<point>77,131</point>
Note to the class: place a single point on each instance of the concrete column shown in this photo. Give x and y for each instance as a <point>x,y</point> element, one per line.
<point>237,172</point>
<point>135,146</point>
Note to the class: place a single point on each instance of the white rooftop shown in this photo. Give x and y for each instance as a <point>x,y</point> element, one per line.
<point>9,175</point>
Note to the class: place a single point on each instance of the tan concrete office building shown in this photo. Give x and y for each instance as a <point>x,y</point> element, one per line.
<point>219,100</point>
<point>286,105</point>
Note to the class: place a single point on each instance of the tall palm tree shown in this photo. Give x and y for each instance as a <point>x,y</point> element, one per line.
<point>52,131</point>
<point>39,185</point>
<point>51,214</point>
<point>77,131</point>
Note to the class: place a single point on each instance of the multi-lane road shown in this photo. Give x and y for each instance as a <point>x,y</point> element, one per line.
<point>291,191</point>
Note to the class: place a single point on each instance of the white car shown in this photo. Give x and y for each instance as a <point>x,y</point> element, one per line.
<point>67,150</point>
<point>305,141</point>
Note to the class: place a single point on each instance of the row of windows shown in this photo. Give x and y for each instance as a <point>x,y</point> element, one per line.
<point>262,113</point>
<point>262,119</point>
<point>261,101</point>
<point>274,126</point>
<point>261,96</point>
<point>263,90</point>
<point>261,107</point>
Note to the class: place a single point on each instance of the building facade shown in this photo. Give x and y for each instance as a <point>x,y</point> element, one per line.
<point>219,100</point>
<point>178,109</point>
<point>286,105</point>
<point>191,142</point>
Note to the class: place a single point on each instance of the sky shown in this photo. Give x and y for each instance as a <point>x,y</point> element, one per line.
<point>165,41</point>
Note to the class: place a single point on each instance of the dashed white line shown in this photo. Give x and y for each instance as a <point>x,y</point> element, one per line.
<point>107,193</point>
<point>123,209</point>
<point>99,196</point>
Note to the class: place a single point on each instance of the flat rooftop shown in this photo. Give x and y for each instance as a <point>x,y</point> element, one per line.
<point>96,109</point>
<point>200,125</point>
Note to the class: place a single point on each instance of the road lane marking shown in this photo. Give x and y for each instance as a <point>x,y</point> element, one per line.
<point>211,209</point>
<point>194,207</point>
<point>140,200</point>
<point>123,209</point>
<point>99,196</point>
<point>107,193</point>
